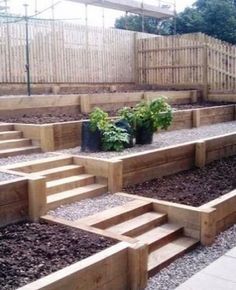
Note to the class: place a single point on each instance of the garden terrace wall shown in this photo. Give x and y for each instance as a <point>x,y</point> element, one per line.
<point>225,214</point>
<point>222,97</point>
<point>13,201</point>
<point>148,165</point>
<point>65,135</point>
<point>116,268</point>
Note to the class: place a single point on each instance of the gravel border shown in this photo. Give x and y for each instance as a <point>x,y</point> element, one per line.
<point>23,158</point>
<point>6,176</point>
<point>183,268</point>
<point>165,139</point>
<point>89,206</point>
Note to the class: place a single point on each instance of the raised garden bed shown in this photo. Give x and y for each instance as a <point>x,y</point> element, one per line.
<point>30,251</point>
<point>65,115</point>
<point>193,187</point>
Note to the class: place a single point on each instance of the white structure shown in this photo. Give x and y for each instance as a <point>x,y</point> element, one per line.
<point>161,9</point>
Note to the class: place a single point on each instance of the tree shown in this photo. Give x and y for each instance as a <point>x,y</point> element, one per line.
<point>134,23</point>
<point>216,18</point>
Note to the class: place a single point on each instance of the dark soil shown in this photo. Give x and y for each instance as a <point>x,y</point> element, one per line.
<point>193,187</point>
<point>29,251</point>
<point>199,105</point>
<point>60,115</point>
<point>47,118</point>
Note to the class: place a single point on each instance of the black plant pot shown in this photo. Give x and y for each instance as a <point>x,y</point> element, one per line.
<point>123,124</point>
<point>144,135</point>
<point>91,141</point>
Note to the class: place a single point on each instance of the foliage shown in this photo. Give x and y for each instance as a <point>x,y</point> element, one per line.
<point>98,120</point>
<point>127,114</point>
<point>114,138</point>
<point>216,18</point>
<point>154,114</point>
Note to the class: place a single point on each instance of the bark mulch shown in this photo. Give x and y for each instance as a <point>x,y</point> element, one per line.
<point>29,251</point>
<point>193,187</point>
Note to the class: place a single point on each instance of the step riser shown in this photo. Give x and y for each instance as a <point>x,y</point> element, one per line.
<point>20,152</point>
<point>146,227</point>
<point>64,174</point>
<point>157,269</point>
<point>10,135</point>
<point>6,128</point>
<point>70,185</point>
<point>123,217</point>
<point>15,144</point>
<point>165,240</point>
<point>77,198</point>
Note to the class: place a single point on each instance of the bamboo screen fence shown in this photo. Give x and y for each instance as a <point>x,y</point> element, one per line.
<point>67,53</point>
<point>188,59</point>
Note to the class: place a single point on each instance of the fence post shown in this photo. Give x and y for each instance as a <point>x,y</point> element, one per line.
<point>205,72</point>
<point>138,265</point>
<point>36,197</point>
<point>200,154</point>
<point>196,118</point>
<point>115,176</point>
<point>47,138</point>
<point>208,226</point>
<point>136,64</point>
<point>85,104</point>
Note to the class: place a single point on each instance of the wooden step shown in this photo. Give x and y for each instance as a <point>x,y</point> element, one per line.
<point>7,135</point>
<point>68,183</point>
<point>19,151</point>
<point>14,143</point>
<point>74,195</point>
<point>160,236</point>
<point>163,256</point>
<point>119,214</point>
<point>6,127</point>
<point>139,224</point>
<point>61,172</point>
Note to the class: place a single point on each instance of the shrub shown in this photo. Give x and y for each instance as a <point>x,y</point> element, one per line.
<point>114,138</point>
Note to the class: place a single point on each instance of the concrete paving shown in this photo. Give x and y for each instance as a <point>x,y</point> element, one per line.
<point>220,275</point>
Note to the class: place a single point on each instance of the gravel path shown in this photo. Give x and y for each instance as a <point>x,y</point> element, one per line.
<point>183,268</point>
<point>24,158</point>
<point>5,176</point>
<point>88,206</point>
<point>167,139</point>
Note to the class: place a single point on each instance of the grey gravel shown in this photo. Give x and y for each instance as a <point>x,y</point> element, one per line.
<point>23,158</point>
<point>165,139</point>
<point>183,268</point>
<point>89,206</point>
<point>5,176</point>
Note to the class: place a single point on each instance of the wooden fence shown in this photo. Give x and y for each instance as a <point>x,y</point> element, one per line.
<point>67,53</point>
<point>191,59</point>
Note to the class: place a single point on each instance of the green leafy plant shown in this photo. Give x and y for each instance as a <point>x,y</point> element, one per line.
<point>153,115</point>
<point>98,120</point>
<point>114,138</point>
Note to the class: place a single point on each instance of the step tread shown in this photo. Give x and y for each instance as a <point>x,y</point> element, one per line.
<point>139,221</point>
<point>69,179</point>
<point>19,149</point>
<point>14,140</point>
<point>9,135</point>
<point>158,233</point>
<point>6,127</point>
<point>169,251</point>
<point>58,169</point>
<point>74,192</point>
<point>114,213</point>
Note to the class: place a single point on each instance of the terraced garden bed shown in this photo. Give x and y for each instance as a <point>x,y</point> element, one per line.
<point>65,115</point>
<point>29,251</point>
<point>193,187</point>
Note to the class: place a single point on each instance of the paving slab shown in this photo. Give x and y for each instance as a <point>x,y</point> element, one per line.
<point>220,275</point>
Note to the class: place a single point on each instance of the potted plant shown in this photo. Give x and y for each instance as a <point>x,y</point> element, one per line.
<point>150,116</point>
<point>92,131</point>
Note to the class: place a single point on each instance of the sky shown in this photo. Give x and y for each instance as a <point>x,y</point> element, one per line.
<point>76,11</point>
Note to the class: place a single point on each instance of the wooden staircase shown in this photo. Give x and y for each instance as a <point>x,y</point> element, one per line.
<point>13,143</point>
<point>67,183</point>
<point>137,219</point>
